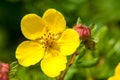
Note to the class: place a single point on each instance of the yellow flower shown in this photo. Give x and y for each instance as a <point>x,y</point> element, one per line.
<point>49,42</point>
<point>116,76</point>
<point>117,70</point>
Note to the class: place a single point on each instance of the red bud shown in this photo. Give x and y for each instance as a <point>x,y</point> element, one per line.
<point>4,71</point>
<point>83,31</point>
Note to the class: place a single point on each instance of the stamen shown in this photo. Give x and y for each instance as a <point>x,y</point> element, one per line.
<point>50,46</point>
<point>41,37</point>
<point>43,46</point>
<point>44,34</point>
<point>46,39</point>
<point>52,34</point>
<point>49,33</point>
<point>51,42</point>
<point>50,37</point>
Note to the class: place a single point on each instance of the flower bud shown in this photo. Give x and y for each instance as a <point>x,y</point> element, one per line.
<point>4,71</point>
<point>83,31</point>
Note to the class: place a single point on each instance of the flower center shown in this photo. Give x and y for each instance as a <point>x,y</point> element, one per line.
<point>48,41</point>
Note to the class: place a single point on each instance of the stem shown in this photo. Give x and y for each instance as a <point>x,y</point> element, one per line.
<point>72,59</point>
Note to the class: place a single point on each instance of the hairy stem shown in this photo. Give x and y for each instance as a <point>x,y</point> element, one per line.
<point>71,61</point>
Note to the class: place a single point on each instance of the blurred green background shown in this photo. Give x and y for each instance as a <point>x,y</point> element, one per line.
<point>104,13</point>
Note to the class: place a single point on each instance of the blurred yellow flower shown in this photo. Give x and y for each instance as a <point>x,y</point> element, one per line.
<point>116,76</point>
<point>117,70</point>
<point>49,42</point>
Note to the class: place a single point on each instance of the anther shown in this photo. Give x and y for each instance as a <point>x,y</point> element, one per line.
<point>51,42</point>
<point>44,34</point>
<point>50,37</point>
<point>53,38</point>
<point>43,47</point>
<point>52,34</point>
<point>49,33</point>
<point>41,37</point>
<point>50,46</point>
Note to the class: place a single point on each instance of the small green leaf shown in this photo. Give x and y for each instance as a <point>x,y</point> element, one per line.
<point>87,63</point>
<point>81,52</point>
<point>79,20</point>
<point>92,26</point>
<point>13,69</point>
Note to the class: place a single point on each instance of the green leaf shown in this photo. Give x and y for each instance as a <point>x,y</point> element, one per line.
<point>92,26</point>
<point>82,52</point>
<point>79,20</point>
<point>87,63</point>
<point>13,69</point>
<point>100,35</point>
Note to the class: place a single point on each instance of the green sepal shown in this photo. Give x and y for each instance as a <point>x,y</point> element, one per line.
<point>92,26</point>
<point>78,21</point>
<point>13,69</point>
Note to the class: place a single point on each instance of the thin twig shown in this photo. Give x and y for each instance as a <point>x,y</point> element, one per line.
<point>72,59</point>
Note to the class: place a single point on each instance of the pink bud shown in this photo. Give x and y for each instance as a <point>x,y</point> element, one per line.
<point>83,31</point>
<point>4,71</point>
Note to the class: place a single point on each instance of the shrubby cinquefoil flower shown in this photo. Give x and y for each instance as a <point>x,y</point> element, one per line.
<point>49,42</point>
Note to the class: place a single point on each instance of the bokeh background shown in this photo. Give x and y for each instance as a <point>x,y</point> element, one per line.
<point>104,13</point>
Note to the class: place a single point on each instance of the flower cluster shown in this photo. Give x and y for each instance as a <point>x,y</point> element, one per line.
<point>4,71</point>
<point>49,41</point>
<point>116,75</point>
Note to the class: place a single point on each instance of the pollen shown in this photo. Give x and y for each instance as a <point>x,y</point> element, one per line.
<point>48,40</point>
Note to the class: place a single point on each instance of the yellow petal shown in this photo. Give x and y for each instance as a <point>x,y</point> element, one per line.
<point>55,21</point>
<point>117,70</point>
<point>111,78</point>
<point>32,26</point>
<point>114,77</point>
<point>29,53</point>
<point>53,65</point>
<point>69,42</point>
